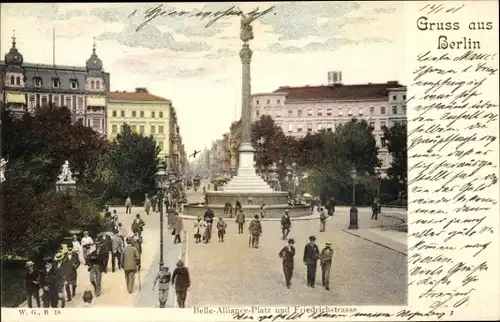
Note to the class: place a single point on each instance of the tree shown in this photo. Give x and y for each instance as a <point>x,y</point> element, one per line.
<point>396,140</point>
<point>352,146</point>
<point>134,157</point>
<point>275,144</point>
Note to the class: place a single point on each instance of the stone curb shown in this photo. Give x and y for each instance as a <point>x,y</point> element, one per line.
<point>374,242</point>
<point>310,217</point>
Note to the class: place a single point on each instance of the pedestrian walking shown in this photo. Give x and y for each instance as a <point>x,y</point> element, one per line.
<point>163,279</point>
<point>311,254</point>
<point>209,219</point>
<point>138,225</point>
<point>154,200</point>
<point>230,210</point>
<point>262,210</point>
<point>97,266</point>
<point>323,216</point>
<point>137,242</point>
<point>61,280</point>
<point>71,262</point>
<point>177,228</point>
<point>286,254</point>
<point>122,232</point>
<point>181,280</point>
<point>131,264</point>
<point>240,220</point>
<point>199,228</point>
<point>374,210</point>
<point>77,248</point>
<point>49,284</point>
<point>238,207</point>
<point>117,247</point>
<point>331,207</point>
<point>87,242</point>
<point>255,230</point>
<point>147,204</point>
<point>206,233</point>
<point>325,258</point>
<point>286,224</point>
<point>128,205</point>
<point>32,284</point>
<point>221,229</point>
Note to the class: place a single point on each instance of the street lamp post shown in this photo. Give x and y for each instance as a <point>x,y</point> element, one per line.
<point>353,213</point>
<point>161,179</point>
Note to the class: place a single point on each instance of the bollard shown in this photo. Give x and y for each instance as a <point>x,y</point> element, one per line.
<point>353,212</point>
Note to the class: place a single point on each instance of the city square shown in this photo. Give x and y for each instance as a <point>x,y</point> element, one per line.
<point>303,201</point>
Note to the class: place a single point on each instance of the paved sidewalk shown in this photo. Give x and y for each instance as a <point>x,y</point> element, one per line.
<point>394,240</point>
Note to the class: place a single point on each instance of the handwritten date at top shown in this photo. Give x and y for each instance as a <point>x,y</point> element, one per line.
<point>440,8</point>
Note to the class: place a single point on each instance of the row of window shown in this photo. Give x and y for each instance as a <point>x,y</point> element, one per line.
<point>70,101</point>
<point>268,102</point>
<point>114,129</point>
<point>134,114</point>
<point>329,111</point>
<point>56,82</point>
<point>323,125</point>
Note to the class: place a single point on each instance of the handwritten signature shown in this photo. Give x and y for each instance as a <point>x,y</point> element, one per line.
<point>158,11</point>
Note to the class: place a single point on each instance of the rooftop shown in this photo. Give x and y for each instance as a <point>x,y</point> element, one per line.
<point>339,91</point>
<point>51,67</point>
<point>140,94</point>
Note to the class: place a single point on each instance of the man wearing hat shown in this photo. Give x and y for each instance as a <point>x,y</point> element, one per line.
<point>96,266</point>
<point>71,262</point>
<point>147,204</point>
<point>32,284</point>
<point>131,263</point>
<point>311,255</point>
<point>323,216</point>
<point>60,276</point>
<point>182,281</point>
<point>255,230</point>
<point>87,242</point>
<point>286,254</point>
<point>48,282</point>
<point>164,278</point>
<point>286,224</point>
<point>325,258</point>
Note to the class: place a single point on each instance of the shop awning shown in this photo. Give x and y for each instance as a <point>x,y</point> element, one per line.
<point>16,98</point>
<point>96,101</point>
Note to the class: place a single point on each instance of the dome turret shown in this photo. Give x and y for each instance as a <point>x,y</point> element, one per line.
<point>13,57</point>
<point>94,63</point>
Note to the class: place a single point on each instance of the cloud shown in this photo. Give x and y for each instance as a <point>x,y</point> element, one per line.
<point>305,18</point>
<point>221,53</point>
<point>150,37</point>
<point>331,44</point>
<point>384,10</point>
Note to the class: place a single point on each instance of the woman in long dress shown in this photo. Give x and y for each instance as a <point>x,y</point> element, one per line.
<point>206,233</point>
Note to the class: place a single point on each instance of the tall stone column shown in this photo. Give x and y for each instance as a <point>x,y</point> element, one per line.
<point>246,111</point>
<point>246,167</point>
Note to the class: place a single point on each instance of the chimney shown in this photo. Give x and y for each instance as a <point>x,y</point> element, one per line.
<point>334,78</point>
<point>141,90</point>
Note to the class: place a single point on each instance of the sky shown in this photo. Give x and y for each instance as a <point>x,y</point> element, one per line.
<point>198,67</point>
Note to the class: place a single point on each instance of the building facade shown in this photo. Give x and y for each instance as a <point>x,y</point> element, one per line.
<point>148,114</point>
<point>82,90</point>
<point>309,109</point>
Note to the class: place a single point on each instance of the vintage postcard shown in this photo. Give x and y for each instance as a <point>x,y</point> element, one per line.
<point>263,161</point>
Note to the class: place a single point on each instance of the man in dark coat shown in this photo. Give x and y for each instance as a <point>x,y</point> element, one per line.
<point>181,280</point>
<point>311,255</point>
<point>255,230</point>
<point>70,266</point>
<point>61,279</point>
<point>331,207</point>
<point>96,266</point>
<point>286,254</point>
<point>50,284</point>
<point>138,224</point>
<point>240,220</point>
<point>286,224</point>
<point>209,219</point>
<point>32,284</point>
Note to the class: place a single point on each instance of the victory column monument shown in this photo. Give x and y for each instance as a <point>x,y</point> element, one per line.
<point>247,187</point>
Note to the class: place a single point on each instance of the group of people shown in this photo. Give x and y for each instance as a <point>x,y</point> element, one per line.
<point>310,259</point>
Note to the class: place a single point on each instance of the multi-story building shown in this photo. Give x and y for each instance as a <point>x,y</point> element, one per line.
<point>147,114</point>
<point>81,89</point>
<point>308,109</point>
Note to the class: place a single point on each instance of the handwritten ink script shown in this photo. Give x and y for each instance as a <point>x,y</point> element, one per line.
<point>453,157</point>
<point>158,11</point>
<point>299,313</point>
